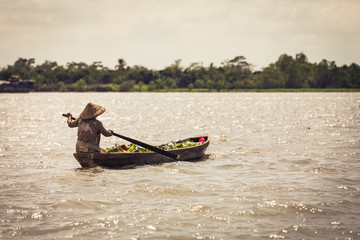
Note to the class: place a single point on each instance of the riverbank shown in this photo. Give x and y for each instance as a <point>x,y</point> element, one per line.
<point>267,90</point>
<point>222,90</point>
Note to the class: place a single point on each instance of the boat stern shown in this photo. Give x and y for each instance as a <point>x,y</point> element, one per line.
<point>86,160</point>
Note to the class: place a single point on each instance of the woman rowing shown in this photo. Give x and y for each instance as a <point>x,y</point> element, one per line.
<point>89,129</point>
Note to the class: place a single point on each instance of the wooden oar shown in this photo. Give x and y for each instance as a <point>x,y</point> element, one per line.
<point>145,145</point>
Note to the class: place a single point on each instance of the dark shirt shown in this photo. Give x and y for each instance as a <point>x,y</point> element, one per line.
<point>89,130</point>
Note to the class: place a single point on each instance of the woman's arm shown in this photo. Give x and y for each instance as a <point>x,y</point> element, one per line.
<point>104,131</point>
<point>72,123</point>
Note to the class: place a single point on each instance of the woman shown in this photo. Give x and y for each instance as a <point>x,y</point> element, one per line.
<point>89,129</point>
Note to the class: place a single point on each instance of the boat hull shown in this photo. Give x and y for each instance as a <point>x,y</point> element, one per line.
<point>129,159</point>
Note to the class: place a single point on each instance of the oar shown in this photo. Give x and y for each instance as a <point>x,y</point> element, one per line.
<point>152,148</point>
<point>145,145</point>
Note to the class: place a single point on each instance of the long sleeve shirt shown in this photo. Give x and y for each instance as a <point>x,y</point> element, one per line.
<point>89,131</point>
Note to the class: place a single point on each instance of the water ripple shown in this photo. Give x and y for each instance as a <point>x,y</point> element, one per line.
<point>279,166</point>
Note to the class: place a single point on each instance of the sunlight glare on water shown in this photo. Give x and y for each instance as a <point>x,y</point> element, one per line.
<point>279,166</point>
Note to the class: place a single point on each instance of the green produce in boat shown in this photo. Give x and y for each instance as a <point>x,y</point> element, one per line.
<point>136,148</point>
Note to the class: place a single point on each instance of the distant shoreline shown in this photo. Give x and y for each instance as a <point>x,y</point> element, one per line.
<point>235,90</point>
<point>287,74</point>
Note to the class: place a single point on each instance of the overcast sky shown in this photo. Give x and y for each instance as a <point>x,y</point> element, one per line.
<point>155,33</point>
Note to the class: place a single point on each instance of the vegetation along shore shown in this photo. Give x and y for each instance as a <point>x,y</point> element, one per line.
<point>286,74</point>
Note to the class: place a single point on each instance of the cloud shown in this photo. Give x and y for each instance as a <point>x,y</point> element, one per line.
<point>154,33</point>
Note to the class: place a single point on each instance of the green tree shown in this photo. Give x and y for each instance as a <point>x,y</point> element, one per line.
<point>140,87</point>
<point>237,70</point>
<point>47,70</point>
<point>322,74</point>
<point>199,83</point>
<point>297,71</point>
<point>236,73</point>
<point>152,86</point>
<point>23,67</point>
<point>191,86</point>
<point>210,84</point>
<point>354,75</point>
<point>62,87</point>
<point>80,85</point>
<point>196,71</point>
<point>127,86</point>
<point>141,74</point>
<point>174,71</point>
<point>273,77</point>
<point>121,65</point>
<point>301,58</point>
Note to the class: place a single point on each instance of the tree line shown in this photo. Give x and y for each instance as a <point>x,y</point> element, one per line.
<point>235,74</point>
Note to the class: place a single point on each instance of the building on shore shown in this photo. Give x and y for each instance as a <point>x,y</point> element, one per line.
<point>14,84</point>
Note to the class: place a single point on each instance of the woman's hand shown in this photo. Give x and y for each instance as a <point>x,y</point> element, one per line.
<point>68,115</point>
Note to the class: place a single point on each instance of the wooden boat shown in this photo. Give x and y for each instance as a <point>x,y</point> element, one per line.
<point>129,159</point>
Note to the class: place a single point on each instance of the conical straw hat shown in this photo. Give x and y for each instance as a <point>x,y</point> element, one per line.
<point>91,111</point>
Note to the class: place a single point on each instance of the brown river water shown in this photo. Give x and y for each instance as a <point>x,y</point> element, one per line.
<point>279,166</point>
